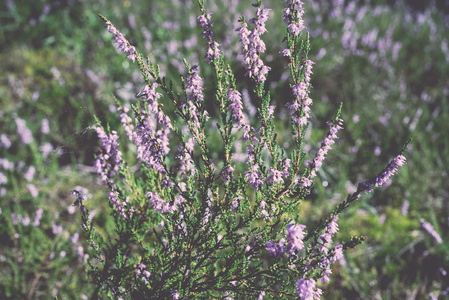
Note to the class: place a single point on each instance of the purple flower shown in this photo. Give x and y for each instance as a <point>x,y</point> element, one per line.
<point>5,141</point>
<point>293,16</point>
<point>306,289</point>
<point>390,170</point>
<point>149,95</point>
<point>275,176</point>
<point>29,174</point>
<point>123,44</point>
<point>34,192</point>
<point>194,89</point>
<point>24,132</point>
<point>38,217</point>
<point>26,220</point>
<point>338,253</point>
<point>227,173</point>
<point>186,164</point>
<point>331,230</point>
<point>3,178</point>
<point>120,206</point>
<point>194,85</point>
<point>277,250</point>
<point>306,182</point>
<point>295,235</point>
<point>326,144</point>
<point>142,273</point>
<point>152,145</point>
<point>236,107</point>
<point>126,122</point>
<point>254,177</point>
<point>235,203</point>
<point>253,46</point>
<point>301,104</point>
<point>429,228</point>
<point>108,164</point>
<point>212,51</point>
<point>45,126</point>
<point>160,205</point>
<point>286,52</point>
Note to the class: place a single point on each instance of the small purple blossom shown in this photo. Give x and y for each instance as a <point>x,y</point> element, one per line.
<point>301,103</point>
<point>306,182</point>
<point>254,177</point>
<point>29,174</point>
<point>194,85</point>
<point>235,203</point>
<point>275,176</point>
<point>212,52</point>
<point>430,229</point>
<point>186,163</point>
<point>26,221</point>
<point>160,205</point>
<point>276,249</point>
<point>45,127</point>
<point>175,295</point>
<point>123,44</point>
<point>390,170</point>
<point>326,144</point>
<point>295,235</point>
<point>152,146</point>
<point>331,230</point>
<point>293,16</point>
<point>194,89</point>
<point>306,289</point>
<point>5,141</point>
<point>56,229</point>
<point>3,178</point>
<point>34,192</point>
<point>253,46</point>
<point>236,107</point>
<point>142,273</point>
<point>338,253</point>
<point>24,132</point>
<point>120,206</point>
<point>108,164</point>
<point>38,217</point>
<point>227,173</point>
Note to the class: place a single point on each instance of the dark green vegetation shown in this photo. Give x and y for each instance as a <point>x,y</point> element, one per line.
<point>389,65</point>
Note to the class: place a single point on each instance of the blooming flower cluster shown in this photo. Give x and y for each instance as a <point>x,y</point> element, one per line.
<point>123,44</point>
<point>236,107</point>
<point>293,16</point>
<point>212,52</point>
<point>253,46</point>
<point>162,206</point>
<point>306,289</point>
<point>142,273</point>
<point>326,144</point>
<point>390,170</point>
<point>194,89</point>
<point>295,235</point>
<point>108,164</point>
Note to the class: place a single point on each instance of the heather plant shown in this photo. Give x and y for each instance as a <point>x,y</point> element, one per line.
<point>195,223</point>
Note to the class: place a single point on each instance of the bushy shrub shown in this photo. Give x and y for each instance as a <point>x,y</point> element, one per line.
<point>211,208</point>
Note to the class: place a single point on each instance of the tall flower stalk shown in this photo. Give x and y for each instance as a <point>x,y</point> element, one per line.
<point>193,224</point>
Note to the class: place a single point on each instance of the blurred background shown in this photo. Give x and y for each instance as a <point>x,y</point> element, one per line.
<point>387,61</point>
